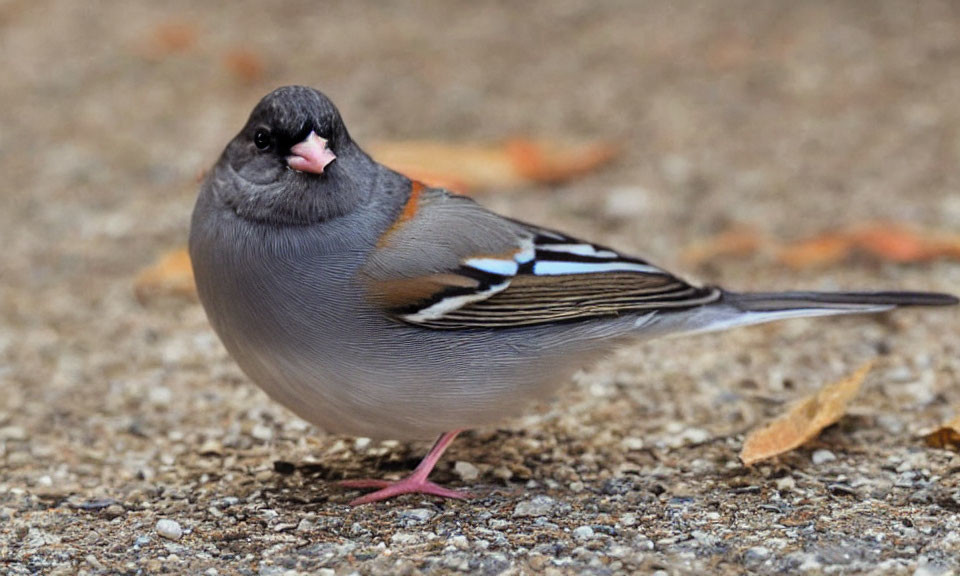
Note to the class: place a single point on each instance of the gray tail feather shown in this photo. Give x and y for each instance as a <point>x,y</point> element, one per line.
<point>839,301</point>
<point>747,308</point>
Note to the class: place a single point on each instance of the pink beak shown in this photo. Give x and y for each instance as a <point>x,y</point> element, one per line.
<point>311,155</point>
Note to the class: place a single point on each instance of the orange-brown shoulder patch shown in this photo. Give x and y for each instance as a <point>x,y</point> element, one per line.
<point>400,292</point>
<point>408,212</point>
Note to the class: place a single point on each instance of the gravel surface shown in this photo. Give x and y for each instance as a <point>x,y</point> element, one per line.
<point>131,443</point>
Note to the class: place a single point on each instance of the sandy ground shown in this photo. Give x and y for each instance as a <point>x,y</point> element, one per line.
<point>791,119</point>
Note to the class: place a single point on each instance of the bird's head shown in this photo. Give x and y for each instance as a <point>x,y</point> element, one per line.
<point>293,162</point>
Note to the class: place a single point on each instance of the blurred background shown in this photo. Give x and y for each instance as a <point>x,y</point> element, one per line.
<point>739,127</point>
<point>789,118</point>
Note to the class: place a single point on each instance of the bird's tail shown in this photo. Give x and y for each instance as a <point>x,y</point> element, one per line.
<point>746,308</point>
<point>833,302</point>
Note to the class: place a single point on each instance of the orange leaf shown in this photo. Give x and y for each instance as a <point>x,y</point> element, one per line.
<point>820,251</point>
<point>468,167</point>
<point>947,436</point>
<point>171,37</point>
<point>552,162</point>
<point>736,241</point>
<point>171,275</point>
<point>889,242</point>
<point>244,65</point>
<point>804,421</point>
<point>897,243</point>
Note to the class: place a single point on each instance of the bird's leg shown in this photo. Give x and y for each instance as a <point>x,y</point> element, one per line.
<point>415,483</point>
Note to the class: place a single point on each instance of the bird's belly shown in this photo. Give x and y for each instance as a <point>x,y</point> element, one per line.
<point>390,390</point>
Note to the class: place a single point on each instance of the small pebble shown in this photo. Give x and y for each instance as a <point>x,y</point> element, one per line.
<point>404,538</point>
<point>457,562</point>
<point>626,202</point>
<point>361,444</point>
<point>418,514</point>
<point>210,448</point>
<point>159,396</point>
<point>632,443</point>
<point>169,529</point>
<point>786,483</point>
<point>113,511</point>
<point>93,562</point>
<point>503,473</point>
<point>262,432</point>
<point>538,506</point>
<point>695,435</point>
<point>756,555</point>
<point>643,544</point>
<point>305,525</point>
<point>926,567</point>
<point>466,471</point>
<point>583,533</point>
<point>65,569</point>
<point>823,456</point>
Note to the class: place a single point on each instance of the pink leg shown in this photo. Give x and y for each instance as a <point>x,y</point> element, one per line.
<point>415,483</point>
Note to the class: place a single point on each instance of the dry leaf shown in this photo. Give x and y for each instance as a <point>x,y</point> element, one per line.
<point>804,421</point>
<point>886,241</point>
<point>171,38</point>
<point>947,436</point>
<point>464,166</point>
<point>821,251</point>
<point>170,276</point>
<point>470,167</point>
<point>897,243</point>
<point>736,241</point>
<point>551,162</point>
<point>244,65</point>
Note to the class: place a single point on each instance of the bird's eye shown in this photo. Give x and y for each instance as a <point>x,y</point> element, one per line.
<point>261,138</point>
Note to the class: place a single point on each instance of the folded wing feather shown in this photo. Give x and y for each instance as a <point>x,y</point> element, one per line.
<point>487,271</point>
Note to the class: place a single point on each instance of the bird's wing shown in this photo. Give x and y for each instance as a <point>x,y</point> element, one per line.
<point>448,263</point>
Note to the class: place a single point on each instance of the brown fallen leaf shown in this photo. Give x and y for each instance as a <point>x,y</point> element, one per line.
<point>804,420</point>
<point>823,250</point>
<point>170,276</point>
<point>475,167</point>
<point>246,66</point>
<point>735,241</point>
<point>946,436</point>
<point>461,166</point>
<point>898,243</point>
<point>171,37</point>
<point>551,162</point>
<point>886,241</point>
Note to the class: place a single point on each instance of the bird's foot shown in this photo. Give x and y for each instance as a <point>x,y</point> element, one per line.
<point>415,483</point>
<point>409,485</point>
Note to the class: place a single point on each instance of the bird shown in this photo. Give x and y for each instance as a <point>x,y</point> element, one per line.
<point>373,305</point>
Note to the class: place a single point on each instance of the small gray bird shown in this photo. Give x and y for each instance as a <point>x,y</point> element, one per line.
<point>372,305</point>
